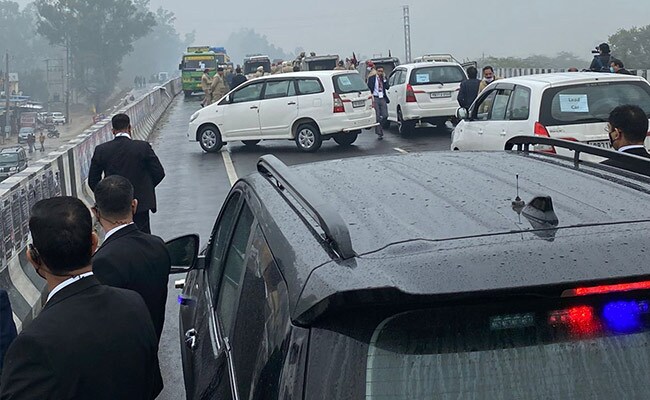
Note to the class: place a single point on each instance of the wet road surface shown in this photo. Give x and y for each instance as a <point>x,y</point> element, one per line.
<point>196,183</point>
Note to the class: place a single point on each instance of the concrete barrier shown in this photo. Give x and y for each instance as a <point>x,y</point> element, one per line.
<point>63,172</point>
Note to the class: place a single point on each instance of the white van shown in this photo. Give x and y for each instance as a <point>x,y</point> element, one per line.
<point>307,107</point>
<point>571,105</point>
<point>424,92</point>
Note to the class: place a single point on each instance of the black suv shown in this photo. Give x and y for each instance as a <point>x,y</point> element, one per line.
<point>12,160</point>
<point>440,275</point>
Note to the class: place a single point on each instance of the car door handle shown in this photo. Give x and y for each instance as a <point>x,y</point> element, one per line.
<point>480,131</point>
<point>503,133</point>
<point>291,103</point>
<point>190,339</point>
<point>254,107</point>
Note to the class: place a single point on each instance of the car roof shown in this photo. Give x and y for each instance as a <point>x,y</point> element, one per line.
<point>429,64</point>
<point>568,78</point>
<point>420,222</point>
<point>307,74</point>
<point>12,149</point>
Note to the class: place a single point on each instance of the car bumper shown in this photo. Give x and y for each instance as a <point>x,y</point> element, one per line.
<point>415,112</point>
<point>192,130</point>
<point>338,124</point>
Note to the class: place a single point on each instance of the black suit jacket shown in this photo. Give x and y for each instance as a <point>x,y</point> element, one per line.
<point>637,151</point>
<point>132,259</point>
<point>372,81</point>
<point>133,159</point>
<point>7,326</point>
<point>90,341</point>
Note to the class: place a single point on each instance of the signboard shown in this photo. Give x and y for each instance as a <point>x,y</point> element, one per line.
<point>198,49</point>
<point>574,103</point>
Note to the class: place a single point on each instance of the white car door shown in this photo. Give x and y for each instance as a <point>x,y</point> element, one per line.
<point>396,93</point>
<point>241,115</point>
<point>518,113</point>
<point>278,108</point>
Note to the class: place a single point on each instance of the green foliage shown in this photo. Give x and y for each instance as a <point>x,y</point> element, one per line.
<point>561,60</point>
<point>99,33</point>
<point>632,46</point>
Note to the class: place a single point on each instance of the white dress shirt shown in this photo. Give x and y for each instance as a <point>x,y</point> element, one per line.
<point>376,92</point>
<point>117,228</point>
<point>123,134</point>
<point>632,146</point>
<point>67,282</point>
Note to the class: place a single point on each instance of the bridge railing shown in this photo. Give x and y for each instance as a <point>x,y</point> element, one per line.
<point>62,172</point>
<point>512,72</point>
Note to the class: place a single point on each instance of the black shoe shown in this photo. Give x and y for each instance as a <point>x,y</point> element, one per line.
<point>381,137</point>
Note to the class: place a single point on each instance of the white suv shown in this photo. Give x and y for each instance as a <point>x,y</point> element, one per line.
<point>424,92</point>
<point>572,105</point>
<point>58,118</point>
<point>307,107</point>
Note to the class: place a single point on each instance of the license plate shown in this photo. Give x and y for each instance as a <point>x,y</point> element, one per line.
<point>438,95</point>
<point>605,144</point>
<point>358,103</point>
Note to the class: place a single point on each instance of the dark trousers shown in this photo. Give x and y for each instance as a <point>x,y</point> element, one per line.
<point>141,219</point>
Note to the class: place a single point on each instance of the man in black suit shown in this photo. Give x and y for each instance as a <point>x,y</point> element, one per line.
<point>7,326</point>
<point>469,88</point>
<point>90,341</point>
<point>133,159</point>
<point>130,258</point>
<point>627,128</point>
<point>378,86</point>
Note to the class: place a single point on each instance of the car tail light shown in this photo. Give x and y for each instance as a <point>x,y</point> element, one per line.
<point>410,94</point>
<point>338,104</point>
<point>603,289</point>
<point>540,130</point>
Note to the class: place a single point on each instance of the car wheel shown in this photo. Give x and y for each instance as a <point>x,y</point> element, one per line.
<point>308,138</point>
<point>210,139</point>
<point>250,142</point>
<point>345,139</point>
<point>403,127</point>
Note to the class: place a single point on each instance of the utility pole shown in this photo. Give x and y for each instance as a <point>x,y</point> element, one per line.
<point>68,66</point>
<point>7,128</point>
<point>407,34</point>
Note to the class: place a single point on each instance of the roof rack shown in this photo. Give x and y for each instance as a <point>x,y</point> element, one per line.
<point>335,229</point>
<point>634,163</point>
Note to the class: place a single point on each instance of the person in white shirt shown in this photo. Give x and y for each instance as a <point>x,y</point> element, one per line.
<point>378,85</point>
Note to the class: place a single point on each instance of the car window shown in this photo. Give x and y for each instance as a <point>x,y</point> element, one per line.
<point>277,89</point>
<point>393,78</point>
<point>349,83</point>
<point>220,240</point>
<point>233,271</point>
<point>309,86</point>
<point>402,78</point>
<point>483,106</point>
<point>579,350</point>
<point>436,74</point>
<point>500,105</point>
<point>249,93</point>
<point>588,103</point>
<point>263,307</point>
<point>519,108</point>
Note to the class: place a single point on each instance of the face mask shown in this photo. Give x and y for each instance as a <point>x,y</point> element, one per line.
<point>489,80</point>
<point>611,69</point>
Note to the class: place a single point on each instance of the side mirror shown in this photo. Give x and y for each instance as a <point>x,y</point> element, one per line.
<point>184,253</point>
<point>462,113</point>
<point>180,66</point>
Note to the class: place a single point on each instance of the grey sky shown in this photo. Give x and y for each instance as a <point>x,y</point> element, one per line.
<point>464,28</point>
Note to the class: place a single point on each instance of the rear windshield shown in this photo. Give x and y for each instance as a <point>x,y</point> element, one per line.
<point>349,83</point>
<point>8,158</point>
<point>575,349</point>
<point>588,103</point>
<point>595,351</point>
<point>433,75</point>
<point>322,65</point>
<point>250,67</point>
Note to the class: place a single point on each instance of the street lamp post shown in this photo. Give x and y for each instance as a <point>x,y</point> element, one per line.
<point>7,127</point>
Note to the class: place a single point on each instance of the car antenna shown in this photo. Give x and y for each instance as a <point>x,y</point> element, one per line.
<point>518,204</point>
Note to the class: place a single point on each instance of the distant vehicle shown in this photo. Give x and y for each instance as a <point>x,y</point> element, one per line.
<point>424,92</point>
<point>306,107</point>
<point>28,119</point>
<point>387,63</point>
<point>12,160</point>
<point>251,63</point>
<point>319,63</point>
<point>572,106</point>
<point>58,118</point>
<point>163,77</point>
<point>24,133</point>
<point>194,61</point>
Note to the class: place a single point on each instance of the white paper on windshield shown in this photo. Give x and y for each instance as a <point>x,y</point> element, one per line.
<point>345,81</point>
<point>422,78</point>
<point>574,103</point>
